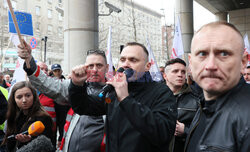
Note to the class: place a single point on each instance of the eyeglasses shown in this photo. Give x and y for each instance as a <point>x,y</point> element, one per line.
<point>100,52</point>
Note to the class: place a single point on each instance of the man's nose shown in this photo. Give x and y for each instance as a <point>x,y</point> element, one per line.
<point>95,69</point>
<point>211,63</point>
<point>126,64</point>
<point>179,74</point>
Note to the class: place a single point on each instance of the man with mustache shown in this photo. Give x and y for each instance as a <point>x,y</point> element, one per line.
<point>187,102</point>
<point>142,114</point>
<point>217,60</point>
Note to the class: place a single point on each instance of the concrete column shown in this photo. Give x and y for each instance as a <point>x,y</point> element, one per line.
<point>80,31</point>
<point>184,10</point>
<point>221,16</point>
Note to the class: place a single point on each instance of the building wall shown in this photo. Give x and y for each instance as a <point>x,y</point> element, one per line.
<point>241,19</point>
<point>41,21</point>
<point>134,18</point>
<point>146,22</point>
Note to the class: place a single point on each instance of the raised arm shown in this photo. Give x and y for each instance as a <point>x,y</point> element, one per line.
<point>53,88</point>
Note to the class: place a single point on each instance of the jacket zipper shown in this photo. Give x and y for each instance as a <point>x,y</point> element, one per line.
<point>187,109</point>
<point>188,139</point>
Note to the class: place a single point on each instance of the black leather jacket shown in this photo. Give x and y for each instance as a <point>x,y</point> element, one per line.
<point>187,106</point>
<point>227,123</point>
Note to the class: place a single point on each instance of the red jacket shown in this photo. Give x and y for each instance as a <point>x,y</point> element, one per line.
<point>49,106</point>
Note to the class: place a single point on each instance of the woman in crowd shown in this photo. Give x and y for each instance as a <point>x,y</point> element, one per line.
<point>24,108</point>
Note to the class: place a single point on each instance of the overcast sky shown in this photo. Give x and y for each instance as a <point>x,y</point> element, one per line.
<point>169,7</point>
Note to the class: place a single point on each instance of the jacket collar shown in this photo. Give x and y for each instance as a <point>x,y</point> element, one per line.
<point>138,84</point>
<point>185,89</point>
<point>221,100</point>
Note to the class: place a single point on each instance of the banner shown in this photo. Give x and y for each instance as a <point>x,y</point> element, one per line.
<point>19,74</point>
<point>247,47</point>
<point>154,70</point>
<point>177,49</point>
<point>109,75</point>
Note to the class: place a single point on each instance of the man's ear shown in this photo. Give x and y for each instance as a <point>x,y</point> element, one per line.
<point>165,76</point>
<point>244,61</point>
<point>189,58</point>
<point>107,68</point>
<point>147,66</point>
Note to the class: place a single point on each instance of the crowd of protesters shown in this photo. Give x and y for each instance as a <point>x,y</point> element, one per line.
<point>201,105</point>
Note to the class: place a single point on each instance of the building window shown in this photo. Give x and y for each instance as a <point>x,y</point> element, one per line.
<point>60,31</point>
<point>59,16</point>
<point>50,1</point>
<point>38,10</point>
<point>37,26</point>
<point>59,1</point>
<point>14,5</point>
<point>49,13</point>
<point>50,28</point>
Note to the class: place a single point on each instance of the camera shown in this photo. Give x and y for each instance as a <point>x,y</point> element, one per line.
<point>112,7</point>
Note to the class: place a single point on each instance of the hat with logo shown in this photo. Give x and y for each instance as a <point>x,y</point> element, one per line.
<point>56,67</point>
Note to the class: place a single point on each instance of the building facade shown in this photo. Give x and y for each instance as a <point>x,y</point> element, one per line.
<point>134,23</point>
<point>46,22</point>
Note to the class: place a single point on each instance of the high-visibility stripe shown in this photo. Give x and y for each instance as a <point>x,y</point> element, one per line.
<point>51,109</point>
<point>68,118</point>
<point>66,127</point>
<point>103,144</point>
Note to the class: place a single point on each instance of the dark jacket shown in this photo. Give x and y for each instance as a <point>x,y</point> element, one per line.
<point>187,106</point>
<point>4,84</point>
<point>3,107</point>
<point>21,120</point>
<point>143,122</point>
<point>227,125</point>
<point>88,132</point>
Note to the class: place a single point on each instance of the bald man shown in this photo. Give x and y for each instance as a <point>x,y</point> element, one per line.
<point>217,60</point>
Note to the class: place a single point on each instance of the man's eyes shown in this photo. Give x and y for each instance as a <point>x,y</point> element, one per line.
<point>202,53</point>
<point>224,53</point>
<point>133,60</point>
<point>122,59</point>
<point>99,65</point>
<point>221,53</point>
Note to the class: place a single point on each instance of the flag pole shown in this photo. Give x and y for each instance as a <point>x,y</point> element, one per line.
<point>17,28</point>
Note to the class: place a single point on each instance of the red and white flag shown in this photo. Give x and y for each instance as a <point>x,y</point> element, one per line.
<point>109,75</point>
<point>247,47</point>
<point>19,74</point>
<point>177,49</point>
<point>154,70</point>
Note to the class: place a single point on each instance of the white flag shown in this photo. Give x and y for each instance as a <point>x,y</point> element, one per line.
<point>109,75</point>
<point>15,39</point>
<point>247,47</point>
<point>154,70</point>
<point>177,50</point>
<point>19,74</point>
